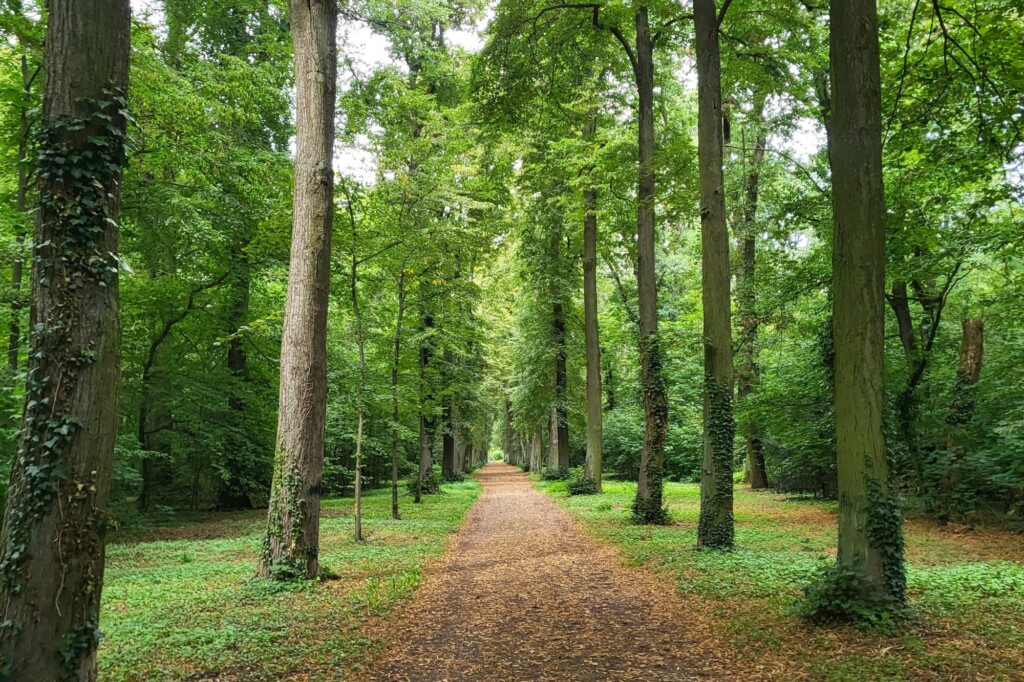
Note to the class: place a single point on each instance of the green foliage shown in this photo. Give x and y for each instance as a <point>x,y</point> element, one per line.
<point>837,595</point>
<point>580,484</point>
<point>430,485</point>
<point>556,475</point>
<point>164,618</point>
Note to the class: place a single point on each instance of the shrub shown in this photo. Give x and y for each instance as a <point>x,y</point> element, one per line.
<point>555,475</point>
<point>580,484</point>
<point>838,595</point>
<point>428,486</point>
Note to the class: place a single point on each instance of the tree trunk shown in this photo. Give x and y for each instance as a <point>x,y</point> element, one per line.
<point>870,533</point>
<point>560,425</point>
<point>448,440</point>
<point>293,520</point>
<point>427,420</point>
<point>395,361</point>
<point>536,451</point>
<point>592,339</point>
<point>242,471</point>
<point>554,446</point>
<point>748,370</point>
<point>52,543</point>
<point>508,431</point>
<point>715,528</point>
<point>972,344</point>
<point>647,507</point>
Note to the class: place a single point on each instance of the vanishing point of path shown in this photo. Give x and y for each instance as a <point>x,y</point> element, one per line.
<point>524,595</point>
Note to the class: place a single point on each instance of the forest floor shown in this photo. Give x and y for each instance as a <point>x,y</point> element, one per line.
<point>538,586</point>
<point>966,588</point>
<point>180,601</point>
<point>525,595</point>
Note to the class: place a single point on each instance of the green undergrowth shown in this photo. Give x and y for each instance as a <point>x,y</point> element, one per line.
<point>966,589</point>
<point>189,608</point>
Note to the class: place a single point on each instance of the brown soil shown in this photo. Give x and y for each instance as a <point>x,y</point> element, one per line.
<point>525,595</point>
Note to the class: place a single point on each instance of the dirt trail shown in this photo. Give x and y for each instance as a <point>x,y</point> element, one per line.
<point>524,595</point>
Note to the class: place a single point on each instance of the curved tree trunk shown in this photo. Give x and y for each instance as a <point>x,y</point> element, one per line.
<point>293,520</point>
<point>715,528</point>
<point>52,543</point>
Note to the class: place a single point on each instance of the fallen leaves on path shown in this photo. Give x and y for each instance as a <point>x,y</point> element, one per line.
<point>525,595</point>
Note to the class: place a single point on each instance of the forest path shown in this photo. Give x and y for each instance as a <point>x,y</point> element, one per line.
<point>524,595</point>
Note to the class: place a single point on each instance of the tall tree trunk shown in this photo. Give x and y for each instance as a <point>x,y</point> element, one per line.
<point>715,528</point>
<point>361,389</point>
<point>972,345</point>
<point>293,520</point>
<point>592,338</point>
<point>242,471</point>
<point>395,361</point>
<point>870,523</point>
<point>748,370</point>
<point>427,421</point>
<point>508,431</point>
<point>448,439</point>
<point>560,425</point>
<point>536,451</point>
<point>647,507</point>
<point>52,542</point>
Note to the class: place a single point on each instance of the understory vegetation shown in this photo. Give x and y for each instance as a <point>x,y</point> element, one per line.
<point>180,601</point>
<point>965,586</point>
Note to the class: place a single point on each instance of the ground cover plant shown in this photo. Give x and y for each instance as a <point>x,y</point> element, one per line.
<point>181,602</point>
<point>965,586</point>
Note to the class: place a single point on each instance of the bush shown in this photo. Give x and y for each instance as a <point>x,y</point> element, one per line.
<point>428,486</point>
<point>555,475</point>
<point>623,439</point>
<point>838,596</point>
<point>580,484</point>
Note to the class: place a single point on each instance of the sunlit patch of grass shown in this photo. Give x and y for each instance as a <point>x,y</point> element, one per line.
<point>966,587</point>
<point>175,609</point>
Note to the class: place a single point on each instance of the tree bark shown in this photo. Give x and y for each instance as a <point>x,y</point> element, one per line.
<point>536,451</point>
<point>592,337</point>
<point>293,520</point>
<point>396,359</point>
<point>972,345</point>
<point>52,542</point>
<point>559,414</point>
<point>508,430</point>
<point>647,507</point>
<point>748,370</point>
<point>715,527</point>
<point>427,421</point>
<point>870,534</point>
<point>242,471</point>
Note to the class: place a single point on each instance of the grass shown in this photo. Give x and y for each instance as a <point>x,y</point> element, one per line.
<point>182,603</point>
<point>966,587</point>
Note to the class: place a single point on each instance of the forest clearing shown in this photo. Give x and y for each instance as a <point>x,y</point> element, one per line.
<point>511,340</point>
